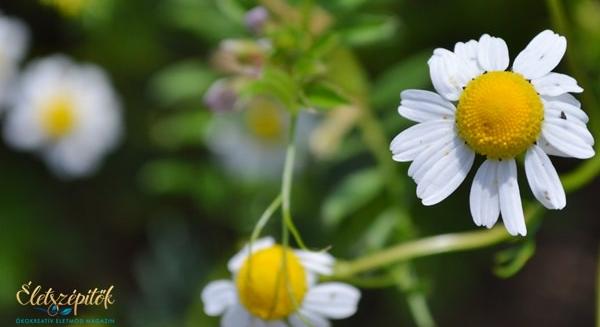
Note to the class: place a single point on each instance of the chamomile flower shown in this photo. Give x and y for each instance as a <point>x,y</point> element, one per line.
<point>276,286</point>
<point>482,108</point>
<point>14,37</point>
<point>68,113</point>
<point>251,143</point>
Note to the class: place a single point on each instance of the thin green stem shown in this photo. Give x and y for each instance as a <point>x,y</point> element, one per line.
<point>427,246</point>
<point>264,219</point>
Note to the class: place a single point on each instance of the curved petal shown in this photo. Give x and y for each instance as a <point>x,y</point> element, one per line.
<point>565,98</point>
<point>332,300</point>
<point>218,296</point>
<point>563,110</point>
<point>541,55</point>
<point>317,262</point>
<point>492,53</point>
<point>543,179</point>
<point>467,51</point>
<point>449,73</point>
<point>236,262</point>
<point>237,316</point>
<point>430,155</point>
<point>408,144</point>
<point>446,175</point>
<point>555,84</point>
<point>306,318</point>
<point>421,106</point>
<point>568,137</point>
<point>549,149</point>
<point>483,199</point>
<point>510,198</point>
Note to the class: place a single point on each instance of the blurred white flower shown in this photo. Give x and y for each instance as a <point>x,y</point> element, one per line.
<point>68,113</point>
<point>270,291</point>
<point>251,143</point>
<point>14,37</point>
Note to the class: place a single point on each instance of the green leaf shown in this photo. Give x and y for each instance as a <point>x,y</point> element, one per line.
<point>381,229</point>
<point>186,80</point>
<point>511,261</point>
<point>184,129</point>
<point>409,73</point>
<point>275,83</point>
<point>350,195</point>
<point>368,29</point>
<point>324,96</point>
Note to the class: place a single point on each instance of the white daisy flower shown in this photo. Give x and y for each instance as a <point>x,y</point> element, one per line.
<point>251,143</point>
<point>482,108</point>
<point>68,113</point>
<point>263,293</point>
<point>14,37</point>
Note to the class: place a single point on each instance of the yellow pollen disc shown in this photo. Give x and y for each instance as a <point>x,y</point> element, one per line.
<point>499,114</point>
<point>265,120</point>
<point>266,289</point>
<point>58,117</point>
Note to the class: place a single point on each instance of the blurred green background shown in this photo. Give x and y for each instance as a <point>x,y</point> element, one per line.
<point>164,213</point>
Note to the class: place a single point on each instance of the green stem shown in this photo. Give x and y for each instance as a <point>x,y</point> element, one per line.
<point>286,188</point>
<point>427,246</point>
<point>264,219</point>
<point>561,24</point>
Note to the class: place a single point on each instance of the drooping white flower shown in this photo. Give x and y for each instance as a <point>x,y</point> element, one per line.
<point>275,286</point>
<point>482,108</point>
<point>14,37</point>
<point>68,113</point>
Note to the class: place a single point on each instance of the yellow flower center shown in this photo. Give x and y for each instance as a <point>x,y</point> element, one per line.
<point>58,117</point>
<point>68,7</point>
<point>272,283</point>
<point>499,114</point>
<point>265,120</point>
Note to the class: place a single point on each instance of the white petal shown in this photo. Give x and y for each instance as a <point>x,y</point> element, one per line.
<point>541,55</point>
<point>449,73</point>
<point>568,137</point>
<point>237,316</point>
<point>421,106</point>
<point>317,262</point>
<point>566,98</point>
<point>543,179</point>
<point>468,52</point>
<point>332,300</point>
<point>446,175</point>
<point>306,318</point>
<point>483,199</point>
<point>432,154</point>
<point>236,262</point>
<point>555,84</point>
<point>408,144</point>
<point>492,53</point>
<point>549,149</point>
<point>218,296</point>
<point>510,199</point>
<point>563,110</point>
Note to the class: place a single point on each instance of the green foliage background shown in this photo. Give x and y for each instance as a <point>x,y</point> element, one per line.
<point>162,216</point>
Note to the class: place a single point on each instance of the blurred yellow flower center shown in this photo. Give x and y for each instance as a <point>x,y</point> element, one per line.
<point>58,117</point>
<point>499,114</point>
<point>265,120</point>
<point>270,287</point>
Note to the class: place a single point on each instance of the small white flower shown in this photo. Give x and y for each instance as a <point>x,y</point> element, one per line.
<point>480,108</point>
<point>68,113</point>
<point>263,293</point>
<point>251,143</point>
<point>14,37</point>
